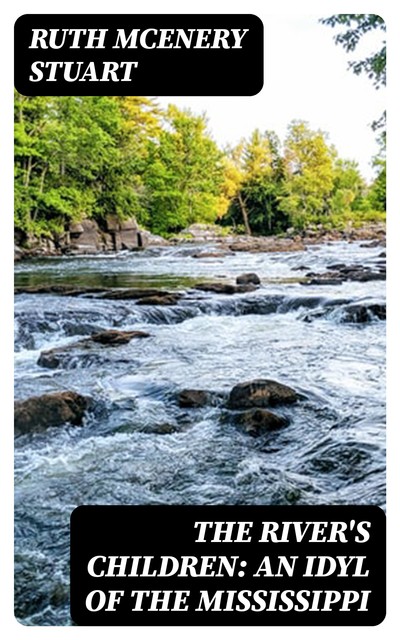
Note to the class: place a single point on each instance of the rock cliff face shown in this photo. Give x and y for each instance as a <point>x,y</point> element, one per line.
<point>86,237</point>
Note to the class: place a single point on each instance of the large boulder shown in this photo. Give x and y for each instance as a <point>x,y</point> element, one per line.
<point>255,422</point>
<point>261,393</point>
<point>248,278</point>
<point>52,358</point>
<point>50,410</point>
<point>84,237</point>
<point>153,240</point>
<point>125,234</point>
<point>130,236</point>
<point>362,313</point>
<point>193,398</point>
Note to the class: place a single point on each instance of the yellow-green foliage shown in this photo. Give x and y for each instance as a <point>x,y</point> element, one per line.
<point>79,157</point>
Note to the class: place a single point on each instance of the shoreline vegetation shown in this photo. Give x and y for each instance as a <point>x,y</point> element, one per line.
<point>102,173</point>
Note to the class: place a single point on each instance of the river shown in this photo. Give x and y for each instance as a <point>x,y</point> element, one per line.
<point>139,447</point>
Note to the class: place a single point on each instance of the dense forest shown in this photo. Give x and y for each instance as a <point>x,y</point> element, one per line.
<point>80,157</point>
<point>89,157</point>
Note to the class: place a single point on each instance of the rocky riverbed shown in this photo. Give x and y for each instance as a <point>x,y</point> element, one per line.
<point>192,374</point>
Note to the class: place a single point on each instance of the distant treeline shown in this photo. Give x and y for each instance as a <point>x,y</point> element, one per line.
<point>88,157</point>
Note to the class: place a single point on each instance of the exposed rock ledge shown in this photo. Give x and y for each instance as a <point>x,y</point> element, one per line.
<point>87,237</point>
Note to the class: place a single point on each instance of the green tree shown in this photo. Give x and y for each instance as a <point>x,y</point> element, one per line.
<point>377,192</point>
<point>125,193</point>
<point>31,122</point>
<point>259,181</point>
<point>184,173</point>
<point>78,157</point>
<point>377,195</point>
<point>82,152</point>
<point>230,187</point>
<point>61,173</point>
<point>354,27</point>
<point>348,193</point>
<point>309,163</point>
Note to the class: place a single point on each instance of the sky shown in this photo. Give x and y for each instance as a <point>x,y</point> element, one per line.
<point>306,77</point>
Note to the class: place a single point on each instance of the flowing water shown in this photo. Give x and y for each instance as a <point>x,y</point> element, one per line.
<point>137,446</point>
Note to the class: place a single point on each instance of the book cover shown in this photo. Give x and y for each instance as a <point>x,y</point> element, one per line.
<point>200,317</point>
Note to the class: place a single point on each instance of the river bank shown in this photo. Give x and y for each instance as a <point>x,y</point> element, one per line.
<point>87,238</point>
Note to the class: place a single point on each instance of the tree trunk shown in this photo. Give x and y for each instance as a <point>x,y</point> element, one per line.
<point>42,178</point>
<point>244,214</point>
<point>28,172</point>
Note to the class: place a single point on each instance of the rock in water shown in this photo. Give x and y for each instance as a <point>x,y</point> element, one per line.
<point>260,393</point>
<point>216,287</point>
<point>164,300</point>
<point>229,289</point>
<point>266,244</point>
<point>51,359</point>
<point>193,398</point>
<point>133,293</point>
<point>115,337</point>
<point>56,357</point>
<point>257,421</point>
<point>246,288</point>
<point>364,312</point>
<point>248,278</point>
<point>211,254</point>
<point>50,410</point>
<point>323,281</point>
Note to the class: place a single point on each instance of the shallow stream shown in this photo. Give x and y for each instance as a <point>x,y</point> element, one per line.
<point>139,447</point>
